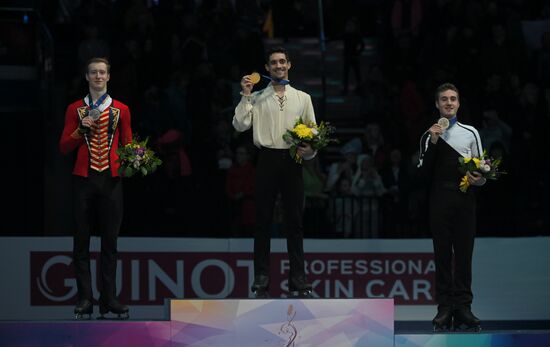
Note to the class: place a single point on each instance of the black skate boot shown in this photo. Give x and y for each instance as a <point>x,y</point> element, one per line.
<point>83,309</point>
<point>443,320</point>
<point>259,287</point>
<point>115,307</point>
<point>301,294</point>
<point>304,291</point>
<point>260,293</point>
<point>464,320</point>
<point>299,288</point>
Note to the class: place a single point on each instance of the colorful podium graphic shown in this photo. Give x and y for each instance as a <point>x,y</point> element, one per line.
<point>283,322</point>
<point>257,323</point>
<point>226,323</point>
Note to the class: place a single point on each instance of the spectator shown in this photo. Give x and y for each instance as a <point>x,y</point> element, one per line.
<point>346,166</point>
<point>495,130</point>
<point>315,199</point>
<point>368,186</point>
<point>240,190</point>
<point>353,46</point>
<point>343,209</point>
<point>395,177</point>
<point>374,145</point>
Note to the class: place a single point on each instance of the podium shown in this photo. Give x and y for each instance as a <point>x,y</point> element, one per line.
<point>257,323</point>
<point>283,322</point>
<point>225,323</point>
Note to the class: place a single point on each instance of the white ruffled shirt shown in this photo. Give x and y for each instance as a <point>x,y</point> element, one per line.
<point>269,120</point>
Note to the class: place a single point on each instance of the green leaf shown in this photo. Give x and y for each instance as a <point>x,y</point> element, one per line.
<point>128,171</point>
<point>292,151</point>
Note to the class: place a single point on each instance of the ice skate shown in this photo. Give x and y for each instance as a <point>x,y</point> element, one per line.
<point>443,321</point>
<point>299,288</point>
<point>261,294</point>
<point>301,294</point>
<point>83,309</point>
<point>464,320</point>
<point>259,287</point>
<point>113,306</point>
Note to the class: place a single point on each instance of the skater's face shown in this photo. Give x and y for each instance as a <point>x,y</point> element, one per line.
<point>278,66</point>
<point>447,103</point>
<point>98,76</point>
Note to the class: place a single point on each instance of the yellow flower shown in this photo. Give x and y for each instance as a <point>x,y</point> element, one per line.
<point>475,160</point>
<point>464,184</point>
<point>303,131</point>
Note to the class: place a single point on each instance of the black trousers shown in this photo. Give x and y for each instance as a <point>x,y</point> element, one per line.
<point>277,172</point>
<point>98,204</point>
<point>452,223</point>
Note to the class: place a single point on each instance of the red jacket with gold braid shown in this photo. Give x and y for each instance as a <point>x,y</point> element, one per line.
<point>97,149</point>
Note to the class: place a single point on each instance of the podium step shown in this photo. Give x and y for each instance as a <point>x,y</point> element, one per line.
<point>226,323</point>
<point>283,322</point>
<point>276,322</point>
<point>494,339</point>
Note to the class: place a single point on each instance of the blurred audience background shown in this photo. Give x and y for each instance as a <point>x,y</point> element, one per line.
<point>178,63</point>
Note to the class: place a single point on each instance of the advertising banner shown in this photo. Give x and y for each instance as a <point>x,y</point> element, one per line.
<point>511,276</point>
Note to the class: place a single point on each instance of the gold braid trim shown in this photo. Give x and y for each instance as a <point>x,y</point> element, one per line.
<point>76,134</point>
<point>116,115</point>
<point>81,114</point>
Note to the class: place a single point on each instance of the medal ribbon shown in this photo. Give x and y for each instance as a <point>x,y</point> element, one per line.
<point>98,102</point>
<point>282,82</point>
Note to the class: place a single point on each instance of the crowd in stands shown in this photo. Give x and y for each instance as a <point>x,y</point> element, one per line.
<point>178,64</point>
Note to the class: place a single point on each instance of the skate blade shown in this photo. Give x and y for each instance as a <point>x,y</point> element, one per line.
<point>467,329</point>
<point>264,295</point>
<point>300,295</point>
<point>122,316</point>
<point>443,329</point>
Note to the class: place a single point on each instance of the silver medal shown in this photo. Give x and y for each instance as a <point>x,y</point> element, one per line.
<point>94,114</point>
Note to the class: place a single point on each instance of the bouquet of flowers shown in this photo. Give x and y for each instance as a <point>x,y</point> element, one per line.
<point>135,157</point>
<point>486,166</point>
<point>316,135</point>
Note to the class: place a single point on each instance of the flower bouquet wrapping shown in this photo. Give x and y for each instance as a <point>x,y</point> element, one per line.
<point>136,157</point>
<point>316,135</point>
<point>486,166</point>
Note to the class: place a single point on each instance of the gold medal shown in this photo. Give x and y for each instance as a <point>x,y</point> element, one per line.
<point>255,77</point>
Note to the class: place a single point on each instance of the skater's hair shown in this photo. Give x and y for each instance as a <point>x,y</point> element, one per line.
<point>274,50</point>
<point>444,87</point>
<point>98,60</point>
